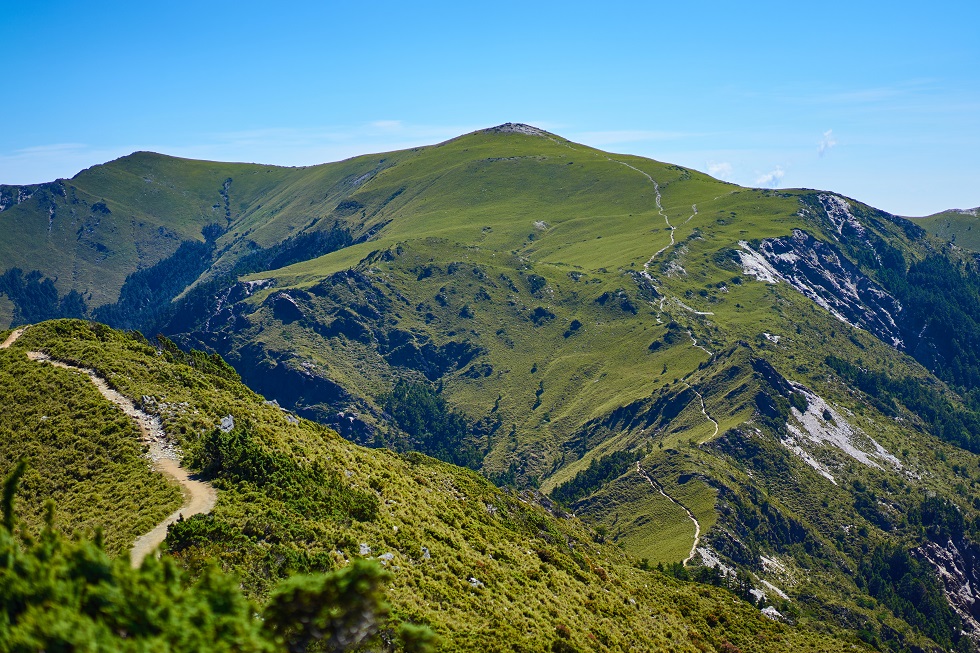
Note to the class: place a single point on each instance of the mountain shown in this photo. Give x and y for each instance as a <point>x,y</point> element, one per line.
<point>782,384</point>
<point>954,225</point>
<point>486,569</point>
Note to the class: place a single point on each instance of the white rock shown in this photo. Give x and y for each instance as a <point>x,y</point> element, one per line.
<point>772,613</point>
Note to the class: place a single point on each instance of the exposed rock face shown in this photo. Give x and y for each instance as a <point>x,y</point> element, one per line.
<point>517,128</point>
<point>14,195</point>
<point>300,386</point>
<point>820,273</point>
<point>821,426</point>
<point>959,576</point>
<point>839,213</point>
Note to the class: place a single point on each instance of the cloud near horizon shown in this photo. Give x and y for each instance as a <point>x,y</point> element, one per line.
<point>721,170</point>
<point>772,178</point>
<point>828,141</point>
<point>274,146</point>
<point>613,137</point>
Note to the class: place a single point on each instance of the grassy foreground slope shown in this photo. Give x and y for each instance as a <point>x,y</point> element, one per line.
<point>84,453</point>
<point>484,568</point>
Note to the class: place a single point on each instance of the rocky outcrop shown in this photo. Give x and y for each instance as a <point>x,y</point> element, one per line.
<point>301,387</point>
<point>284,308</point>
<point>818,271</point>
<point>14,195</point>
<point>820,426</point>
<point>517,128</point>
<point>958,572</point>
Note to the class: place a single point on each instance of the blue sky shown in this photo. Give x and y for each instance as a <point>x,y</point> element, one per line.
<point>878,101</point>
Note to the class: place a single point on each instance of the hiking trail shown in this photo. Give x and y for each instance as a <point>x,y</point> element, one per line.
<point>697,524</point>
<point>660,210</point>
<point>704,411</point>
<point>199,496</point>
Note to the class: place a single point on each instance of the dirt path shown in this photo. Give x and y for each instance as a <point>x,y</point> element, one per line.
<point>697,524</point>
<point>660,209</point>
<point>199,497</point>
<point>12,338</point>
<point>694,207</point>
<point>694,343</point>
<point>704,411</point>
<point>689,309</point>
<point>646,266</point>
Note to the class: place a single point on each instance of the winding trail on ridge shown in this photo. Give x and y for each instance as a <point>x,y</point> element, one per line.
<point>697,524</point>
<point>694,343</point>
<point>12,338</point>
<point>646,274</point>
<point>704,410</point>
<point>660,209</point>
<point>199,497</point>
<point>646,266</point>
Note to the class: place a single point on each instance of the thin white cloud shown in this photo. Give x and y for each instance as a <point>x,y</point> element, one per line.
<point>387,124</point>
<point>55,148</point>
<point>828,141</point>
<point>771,178</point>
<point>721,170</point>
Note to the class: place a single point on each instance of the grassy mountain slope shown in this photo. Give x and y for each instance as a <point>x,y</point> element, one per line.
<point>82,451</point>
<point>92,231</point>
<point>793,370</point>
<point>955,226</point>
<point>485,568</point>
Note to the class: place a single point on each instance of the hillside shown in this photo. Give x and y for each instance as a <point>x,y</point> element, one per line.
<point>486,569</point>
<point>954,226</point>
<point>783,384</point>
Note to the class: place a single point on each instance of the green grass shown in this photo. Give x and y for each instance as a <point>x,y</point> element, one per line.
<point>955,227</point>
<point>642,520</point>
<point>537,571</point>
<point>82,451</point>
<point>502,242</point>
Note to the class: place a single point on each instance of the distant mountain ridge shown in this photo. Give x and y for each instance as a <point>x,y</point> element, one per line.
<point>955,226</point>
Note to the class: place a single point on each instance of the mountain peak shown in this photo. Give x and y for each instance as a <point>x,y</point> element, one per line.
<point>517,128</point>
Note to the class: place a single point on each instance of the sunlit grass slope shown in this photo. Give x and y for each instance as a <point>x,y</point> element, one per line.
<point>961,228</point>
<point>581,310</point>
<point>486,569</point>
